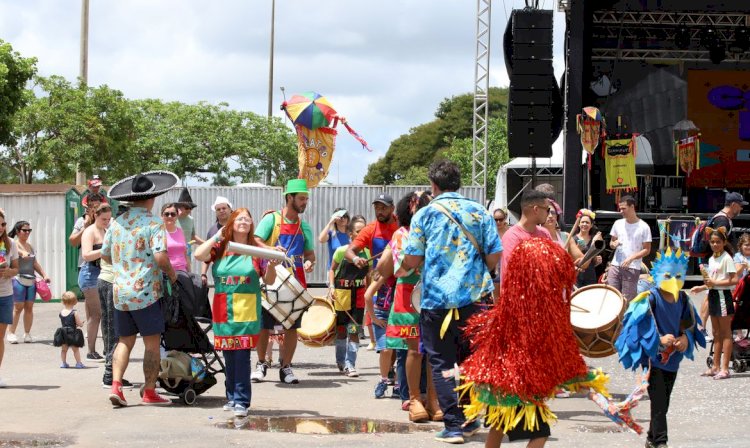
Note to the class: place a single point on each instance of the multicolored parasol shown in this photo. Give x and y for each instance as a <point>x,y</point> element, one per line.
<point>309,109</point>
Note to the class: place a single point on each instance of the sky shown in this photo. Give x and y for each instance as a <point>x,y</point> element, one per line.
<point>385,66</point>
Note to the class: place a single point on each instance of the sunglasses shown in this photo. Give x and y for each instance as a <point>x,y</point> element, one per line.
<point>25,230</point>
<point>499,220</point>
<point>3,224</point>
<point>169,214</point>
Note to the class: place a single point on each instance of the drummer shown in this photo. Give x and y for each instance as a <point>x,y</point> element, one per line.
<point>286,229</point>
<point>238,290</point>
<point>348,285</point>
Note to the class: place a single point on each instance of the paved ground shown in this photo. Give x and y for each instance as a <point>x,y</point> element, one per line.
<point>45,405</point>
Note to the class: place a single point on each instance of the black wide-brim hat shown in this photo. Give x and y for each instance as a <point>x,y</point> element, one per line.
<point>185,199</point>
<point>143,186</point>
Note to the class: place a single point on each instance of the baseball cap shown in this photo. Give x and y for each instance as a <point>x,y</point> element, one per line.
<point>735,197</point>
<point>95,181</point>
<point>385,199</point>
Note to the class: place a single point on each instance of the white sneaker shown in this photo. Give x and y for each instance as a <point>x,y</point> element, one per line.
<point>12,338</point>
<point>2,383</point>
<point>27,339</point>
<point>240,411</point>
<point>261,368</point>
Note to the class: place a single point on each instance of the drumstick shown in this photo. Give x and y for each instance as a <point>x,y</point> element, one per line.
<point>373,257</point>
<point>572,232</point>
<point>580,308</point>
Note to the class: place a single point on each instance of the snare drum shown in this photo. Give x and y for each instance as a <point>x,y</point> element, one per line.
<point>318,327</point>
<point>286,299</point>
<point>596,315</point>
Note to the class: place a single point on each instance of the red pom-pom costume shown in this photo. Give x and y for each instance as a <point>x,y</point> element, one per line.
<point>524,348</point>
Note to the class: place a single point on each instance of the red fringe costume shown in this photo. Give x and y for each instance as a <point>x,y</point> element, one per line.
<point>524,348</point>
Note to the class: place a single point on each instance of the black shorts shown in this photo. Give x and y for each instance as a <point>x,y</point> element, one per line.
<point>720,303</point>
<point>146,321</point>
<point>519,433</point>
<point>268,322</point>
<point>342,318</point>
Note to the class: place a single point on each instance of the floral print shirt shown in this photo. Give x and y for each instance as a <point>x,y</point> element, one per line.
<point>131,242</point>
<point>454,274</point>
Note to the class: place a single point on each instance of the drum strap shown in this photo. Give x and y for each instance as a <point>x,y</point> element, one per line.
<point>333,297</point>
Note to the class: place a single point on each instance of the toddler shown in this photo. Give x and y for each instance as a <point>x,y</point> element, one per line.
<point>70,334</point>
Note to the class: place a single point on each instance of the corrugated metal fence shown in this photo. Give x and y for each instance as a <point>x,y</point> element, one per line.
<point>357,199</point>
<point>46,213</point>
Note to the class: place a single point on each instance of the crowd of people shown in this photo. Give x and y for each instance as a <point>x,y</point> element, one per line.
<point>430,264</point>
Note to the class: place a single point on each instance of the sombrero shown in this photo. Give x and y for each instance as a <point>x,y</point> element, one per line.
<point>143,186</point>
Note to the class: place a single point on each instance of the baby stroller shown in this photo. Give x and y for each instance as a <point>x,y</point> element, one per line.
<point>191,364</point>
<point>740,323</point>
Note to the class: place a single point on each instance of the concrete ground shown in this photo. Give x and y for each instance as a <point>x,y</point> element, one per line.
<point>44,405</point>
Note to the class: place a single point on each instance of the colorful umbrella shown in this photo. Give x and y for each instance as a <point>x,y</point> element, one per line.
<point>310,110</point>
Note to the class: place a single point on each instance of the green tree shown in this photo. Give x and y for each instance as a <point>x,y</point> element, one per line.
<point>67,126</point>
<point>461,152</point>
<point>264,144</point>
<point>453,120</point>
<point>15,72</point>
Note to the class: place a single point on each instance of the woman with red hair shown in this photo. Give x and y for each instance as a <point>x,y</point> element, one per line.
<point>236,305</point>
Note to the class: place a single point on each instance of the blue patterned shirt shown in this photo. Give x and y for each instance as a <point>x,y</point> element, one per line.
<point>454,274</point>
<point>131,242</point>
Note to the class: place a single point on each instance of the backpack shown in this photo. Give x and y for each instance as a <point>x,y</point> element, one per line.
<point>699,245</point>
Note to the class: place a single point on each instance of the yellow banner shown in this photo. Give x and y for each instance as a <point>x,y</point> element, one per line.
<point>315,153</point>
<point>619,161</point>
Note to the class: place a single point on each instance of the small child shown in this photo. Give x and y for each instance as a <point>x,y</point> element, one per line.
<point>70,334</point>
<point>719,278</point>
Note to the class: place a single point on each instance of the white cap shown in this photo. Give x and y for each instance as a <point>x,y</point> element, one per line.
<point>221,200</point>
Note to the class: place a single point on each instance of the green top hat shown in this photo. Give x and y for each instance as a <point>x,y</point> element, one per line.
<point>296,186</point>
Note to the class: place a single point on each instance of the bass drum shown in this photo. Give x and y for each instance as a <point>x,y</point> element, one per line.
<point>318,326</point>
<point>596,315</point>
<point>286,299</point>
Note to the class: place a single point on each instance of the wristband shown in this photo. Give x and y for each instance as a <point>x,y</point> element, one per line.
<point>356,257</point>
<point>204,275</point>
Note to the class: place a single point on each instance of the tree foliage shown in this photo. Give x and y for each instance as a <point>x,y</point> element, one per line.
<point>15,72</point>
<point>100,131</point>
<point>409,155</point>
<point>461,152</point>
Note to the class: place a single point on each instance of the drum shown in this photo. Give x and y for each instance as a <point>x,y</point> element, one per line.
<point>286,299</point>
<point>416,297</point>
<point>318,327</point>
<point>596,315</point>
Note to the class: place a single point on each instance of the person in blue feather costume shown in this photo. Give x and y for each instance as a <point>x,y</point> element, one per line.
<point>660,327</point>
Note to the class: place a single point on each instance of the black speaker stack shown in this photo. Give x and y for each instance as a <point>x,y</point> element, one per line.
<point>534,95</point>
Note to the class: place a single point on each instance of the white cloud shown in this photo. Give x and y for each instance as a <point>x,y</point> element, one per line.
<point>384,65</point>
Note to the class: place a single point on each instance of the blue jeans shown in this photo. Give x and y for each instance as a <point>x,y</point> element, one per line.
<point>443,354</point>
<point>403,384</point>
<point>237,384</point>
<point>346,353</point>
<point>380,331</point>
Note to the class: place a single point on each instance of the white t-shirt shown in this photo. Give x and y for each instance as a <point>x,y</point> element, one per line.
<point>720,268</point>
<point>6,284</point>
<point>631,238</point>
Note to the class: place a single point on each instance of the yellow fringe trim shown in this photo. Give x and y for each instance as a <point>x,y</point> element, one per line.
<point>598,383</point>
<point>506,417</point>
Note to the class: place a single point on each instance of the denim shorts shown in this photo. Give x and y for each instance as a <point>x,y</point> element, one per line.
<point>146,321</point>
<point>88,276</point>
<point>379,332</point>
<point>6,310</point>
<point>22,293</point>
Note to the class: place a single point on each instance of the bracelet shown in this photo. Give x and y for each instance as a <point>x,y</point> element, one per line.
<point>204,275</point>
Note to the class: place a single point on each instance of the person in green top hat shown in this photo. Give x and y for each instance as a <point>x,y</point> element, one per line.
<point>286,229</point>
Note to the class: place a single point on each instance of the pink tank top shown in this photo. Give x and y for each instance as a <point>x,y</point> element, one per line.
<point>176,249</point>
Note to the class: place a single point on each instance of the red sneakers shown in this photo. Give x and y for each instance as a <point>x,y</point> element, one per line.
<point>150,397</point>
<point>116,397</point>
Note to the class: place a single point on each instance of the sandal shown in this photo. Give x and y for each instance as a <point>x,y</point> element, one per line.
<point>710,372</point>
<point>723,375</point>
